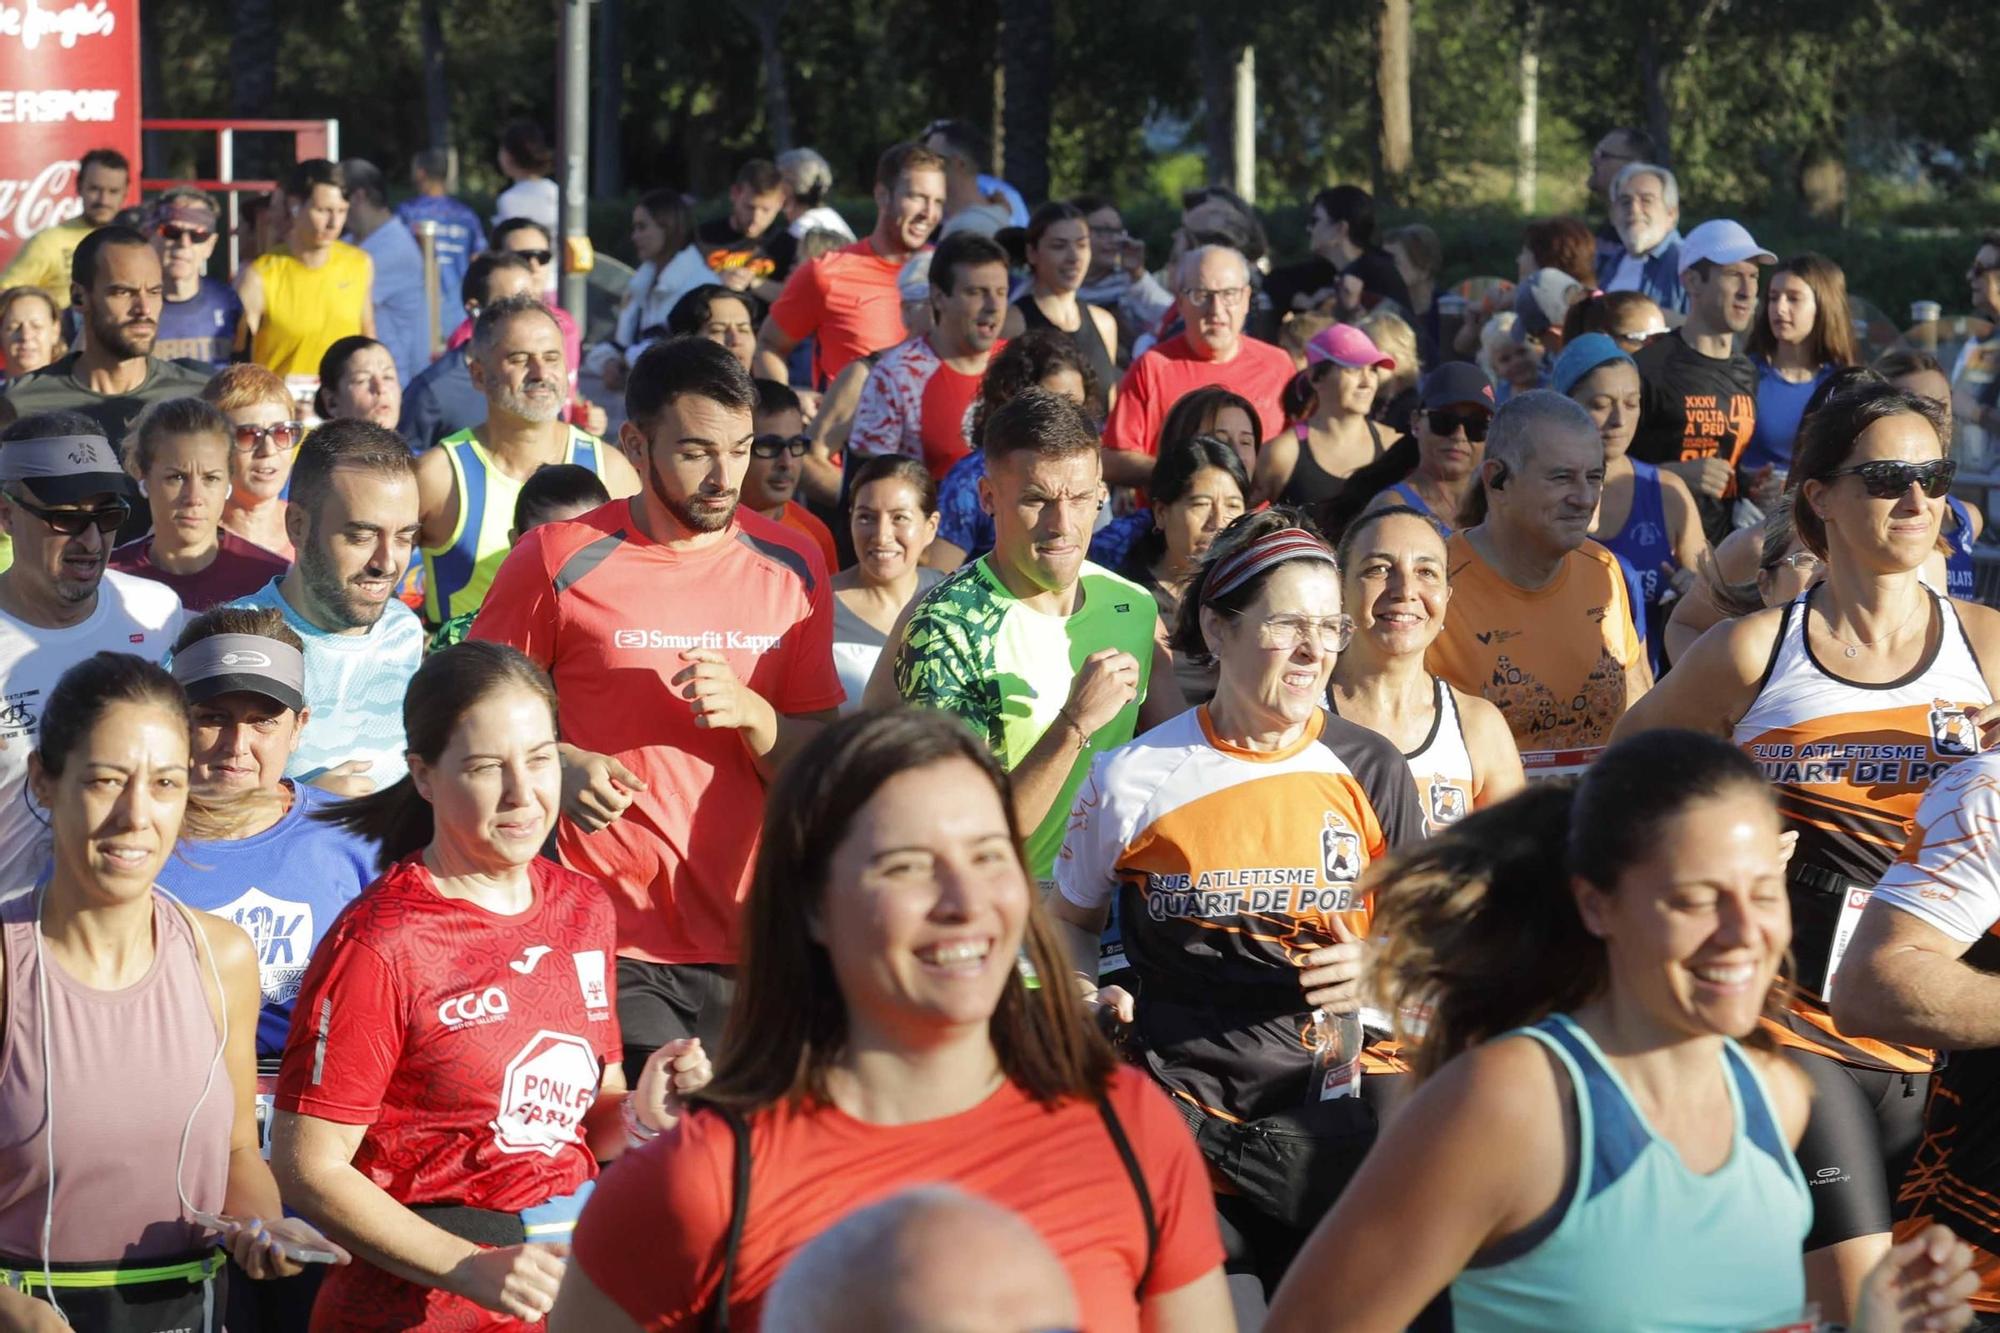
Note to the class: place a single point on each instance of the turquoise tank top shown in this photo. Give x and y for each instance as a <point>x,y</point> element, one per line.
<point>1642,1242</point>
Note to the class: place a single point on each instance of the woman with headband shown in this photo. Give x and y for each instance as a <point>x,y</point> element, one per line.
<point>1234,838</point>
<point>128,1141</point>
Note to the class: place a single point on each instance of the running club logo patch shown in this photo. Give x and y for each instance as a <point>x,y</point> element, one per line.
<point>546,1089</point>
<point>282,933</point>
<point>590,981</point>
<point>1953,731</point>
<point>1339,850</point>
<point>1446,803</point>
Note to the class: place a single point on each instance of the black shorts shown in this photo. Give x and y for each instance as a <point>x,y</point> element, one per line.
<point>663,1002</point>
<point>1864,1129</point>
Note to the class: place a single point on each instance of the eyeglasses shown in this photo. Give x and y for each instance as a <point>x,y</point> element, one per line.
<point>1285,633</point>
<point>71,522</point>
<point>1209,296</point>
<point>770,446</point>
<point>539,258</point>
<point>281,434</point>
<point>1887,479</point>
<point>1803,562</point>
<point>185,235</point>
<point>1451,423</point>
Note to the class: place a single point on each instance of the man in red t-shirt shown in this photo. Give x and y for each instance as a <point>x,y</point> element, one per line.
<point>849,298</point>
<point>691,644</point>
<point>1213,284</point>
<point>918,397</point>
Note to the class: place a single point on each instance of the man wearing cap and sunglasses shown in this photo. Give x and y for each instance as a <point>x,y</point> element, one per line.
<point>198,321</point>
<point>63,496</point>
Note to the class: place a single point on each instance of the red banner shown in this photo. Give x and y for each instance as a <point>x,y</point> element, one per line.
<point>69,82</point>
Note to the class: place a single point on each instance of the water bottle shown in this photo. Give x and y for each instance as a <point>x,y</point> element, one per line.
<point>1335,1041</point>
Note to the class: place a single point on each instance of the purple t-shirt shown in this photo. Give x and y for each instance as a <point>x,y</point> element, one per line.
<point>240,568</point>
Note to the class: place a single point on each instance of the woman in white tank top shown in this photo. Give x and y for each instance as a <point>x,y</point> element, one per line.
<point>1392,567</point>
<point>1851,698</point>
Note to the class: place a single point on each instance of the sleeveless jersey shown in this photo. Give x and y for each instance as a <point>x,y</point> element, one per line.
<point>1641,1241</point>
<point>1961,577</point>
<point>1949,878</point>
<point>1644,546</point>
<point>1227,864</point>
<point>1442,766</point>
<point>1850,762</point>
<point>307,310</point>
<point>1089,342</point>
<point>458,573</point>
<point>1407,494</point>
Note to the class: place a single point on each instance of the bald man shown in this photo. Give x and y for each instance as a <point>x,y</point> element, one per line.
<point>929,1260</point>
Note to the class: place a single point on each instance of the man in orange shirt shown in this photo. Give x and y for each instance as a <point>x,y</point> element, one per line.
<point>777,462</point>
<point>1540,623</point>
<point>849,298</point>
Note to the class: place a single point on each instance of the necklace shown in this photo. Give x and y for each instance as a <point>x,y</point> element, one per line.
<point>1854,649</point>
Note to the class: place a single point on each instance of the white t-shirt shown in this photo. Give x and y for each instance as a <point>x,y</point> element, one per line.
<point>1949,875</point>
<point>133,615</point>
<point>539,200</point>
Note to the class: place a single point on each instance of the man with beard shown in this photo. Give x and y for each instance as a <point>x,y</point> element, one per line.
<point>849,301</point>
<point>102,178</point>
<point>1646,213</point>
<point>116,283</point>
<point>62,496</point>
<point>1619,148</point>
<point>691,645</point>
<point>198,321</point>
<point>1699,403</point>
<point>919,395</point>
<point>467,485</point>
<point>353,521</point>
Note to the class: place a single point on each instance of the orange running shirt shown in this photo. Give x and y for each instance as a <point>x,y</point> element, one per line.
<point>806,523</point>
<point>608,613</point>
<point>1553,660</point>
<point>850,299</point>
<point>1850,763</point>
<point>811,1165</point>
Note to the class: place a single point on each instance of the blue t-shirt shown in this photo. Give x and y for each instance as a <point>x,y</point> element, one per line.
<point>1780,404</point>
<point>398,293</point>
<point>354,686</point>
<point>284,887</point>
<point>459,238</point>
<point>201,328</point>
<point>960,519</point>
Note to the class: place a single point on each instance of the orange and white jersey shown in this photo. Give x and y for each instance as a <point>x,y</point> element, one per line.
<point>1850,762</point>
<point>1442,765</point>
<point>1227,865</point>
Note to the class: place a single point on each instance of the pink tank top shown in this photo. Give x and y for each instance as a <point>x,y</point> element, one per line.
<point>128,1067</point>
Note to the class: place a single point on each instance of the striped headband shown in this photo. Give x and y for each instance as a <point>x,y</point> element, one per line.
<point>1272,549</point>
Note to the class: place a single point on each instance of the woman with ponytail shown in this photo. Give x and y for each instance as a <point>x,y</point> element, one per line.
<point>1331,433</point>
<point>453,1073</point>
<point>1602,1137</point>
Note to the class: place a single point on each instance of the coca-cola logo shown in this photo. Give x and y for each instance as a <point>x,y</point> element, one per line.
<point>28,206</point>
<point>32,24</point>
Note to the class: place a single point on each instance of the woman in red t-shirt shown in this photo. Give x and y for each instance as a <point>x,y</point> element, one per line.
<point>883,1037</point>
<point>453,1063</point>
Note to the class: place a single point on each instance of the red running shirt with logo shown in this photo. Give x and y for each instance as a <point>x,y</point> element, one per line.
<point>469,1044</point>
<point>608,613</point>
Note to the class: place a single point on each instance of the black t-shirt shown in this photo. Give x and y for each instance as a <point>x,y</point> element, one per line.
<point>768,255</point>
<point>1694,406</point>
<point>1376,268</point>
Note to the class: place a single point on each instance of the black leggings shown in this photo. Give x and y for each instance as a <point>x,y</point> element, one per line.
<point>1865,1127</point>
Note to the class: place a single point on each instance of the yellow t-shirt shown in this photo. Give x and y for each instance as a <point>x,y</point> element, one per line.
<point>307,310</point>
<point>1553,661</point>
<point>43,260</point>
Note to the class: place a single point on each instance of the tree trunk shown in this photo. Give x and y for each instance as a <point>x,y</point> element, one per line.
<point>1218,73</point>
<point>607,138</point>
<point>1527,130</point>
<point>437,93</point>
<point>1027,63</point>
<point>1653,82</point>
<point>777,98</point>
<point>1392,100</point>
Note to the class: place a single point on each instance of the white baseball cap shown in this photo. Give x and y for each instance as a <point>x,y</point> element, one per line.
<point>1722,241</point>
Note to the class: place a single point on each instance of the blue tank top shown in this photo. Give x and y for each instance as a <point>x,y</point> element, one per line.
<point>1644,545</point>
<point>1407,494</point>
<point>1642,1242</point>
<point>1960,577</point>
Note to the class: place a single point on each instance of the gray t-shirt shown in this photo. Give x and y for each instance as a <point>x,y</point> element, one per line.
<point>56,388</point>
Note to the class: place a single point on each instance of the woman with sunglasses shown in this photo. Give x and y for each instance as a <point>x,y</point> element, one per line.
<point>1851,699</point>
<point>1430,470</point>
<point>1234,839</point>
<point>265,435</point>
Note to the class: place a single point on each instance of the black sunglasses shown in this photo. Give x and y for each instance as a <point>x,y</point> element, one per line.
<point>1886,478</point>
<point>539,258</point>
<point>1449,423</point>
<point>283,434</point>
<point>770,446</point>
<point>71,522</point>
<point>184,235</point>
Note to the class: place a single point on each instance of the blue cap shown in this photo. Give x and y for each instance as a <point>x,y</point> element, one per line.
<point>1585,354</point>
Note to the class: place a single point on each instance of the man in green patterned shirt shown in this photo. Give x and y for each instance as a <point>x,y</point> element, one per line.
<point>1045,655</point>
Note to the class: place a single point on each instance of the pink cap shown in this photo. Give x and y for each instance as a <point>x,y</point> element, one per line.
<point>1346,345</point>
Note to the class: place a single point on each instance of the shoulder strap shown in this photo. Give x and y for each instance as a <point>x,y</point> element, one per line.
<point>739,1210</point>
<point>1116,1129</point>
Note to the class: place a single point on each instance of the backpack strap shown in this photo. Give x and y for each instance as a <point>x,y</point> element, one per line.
<point>1116,1129</point>
<point>739,1210</point>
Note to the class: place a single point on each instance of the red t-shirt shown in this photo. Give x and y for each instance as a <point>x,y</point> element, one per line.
<point>915,405</point>
<point>811,1166</point>
<point>469,1044</point>
<point>240,568</point>
<point>851,299</point>
<point>1156,381</point>
<point>608,612</point>
<point>802,520</point>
